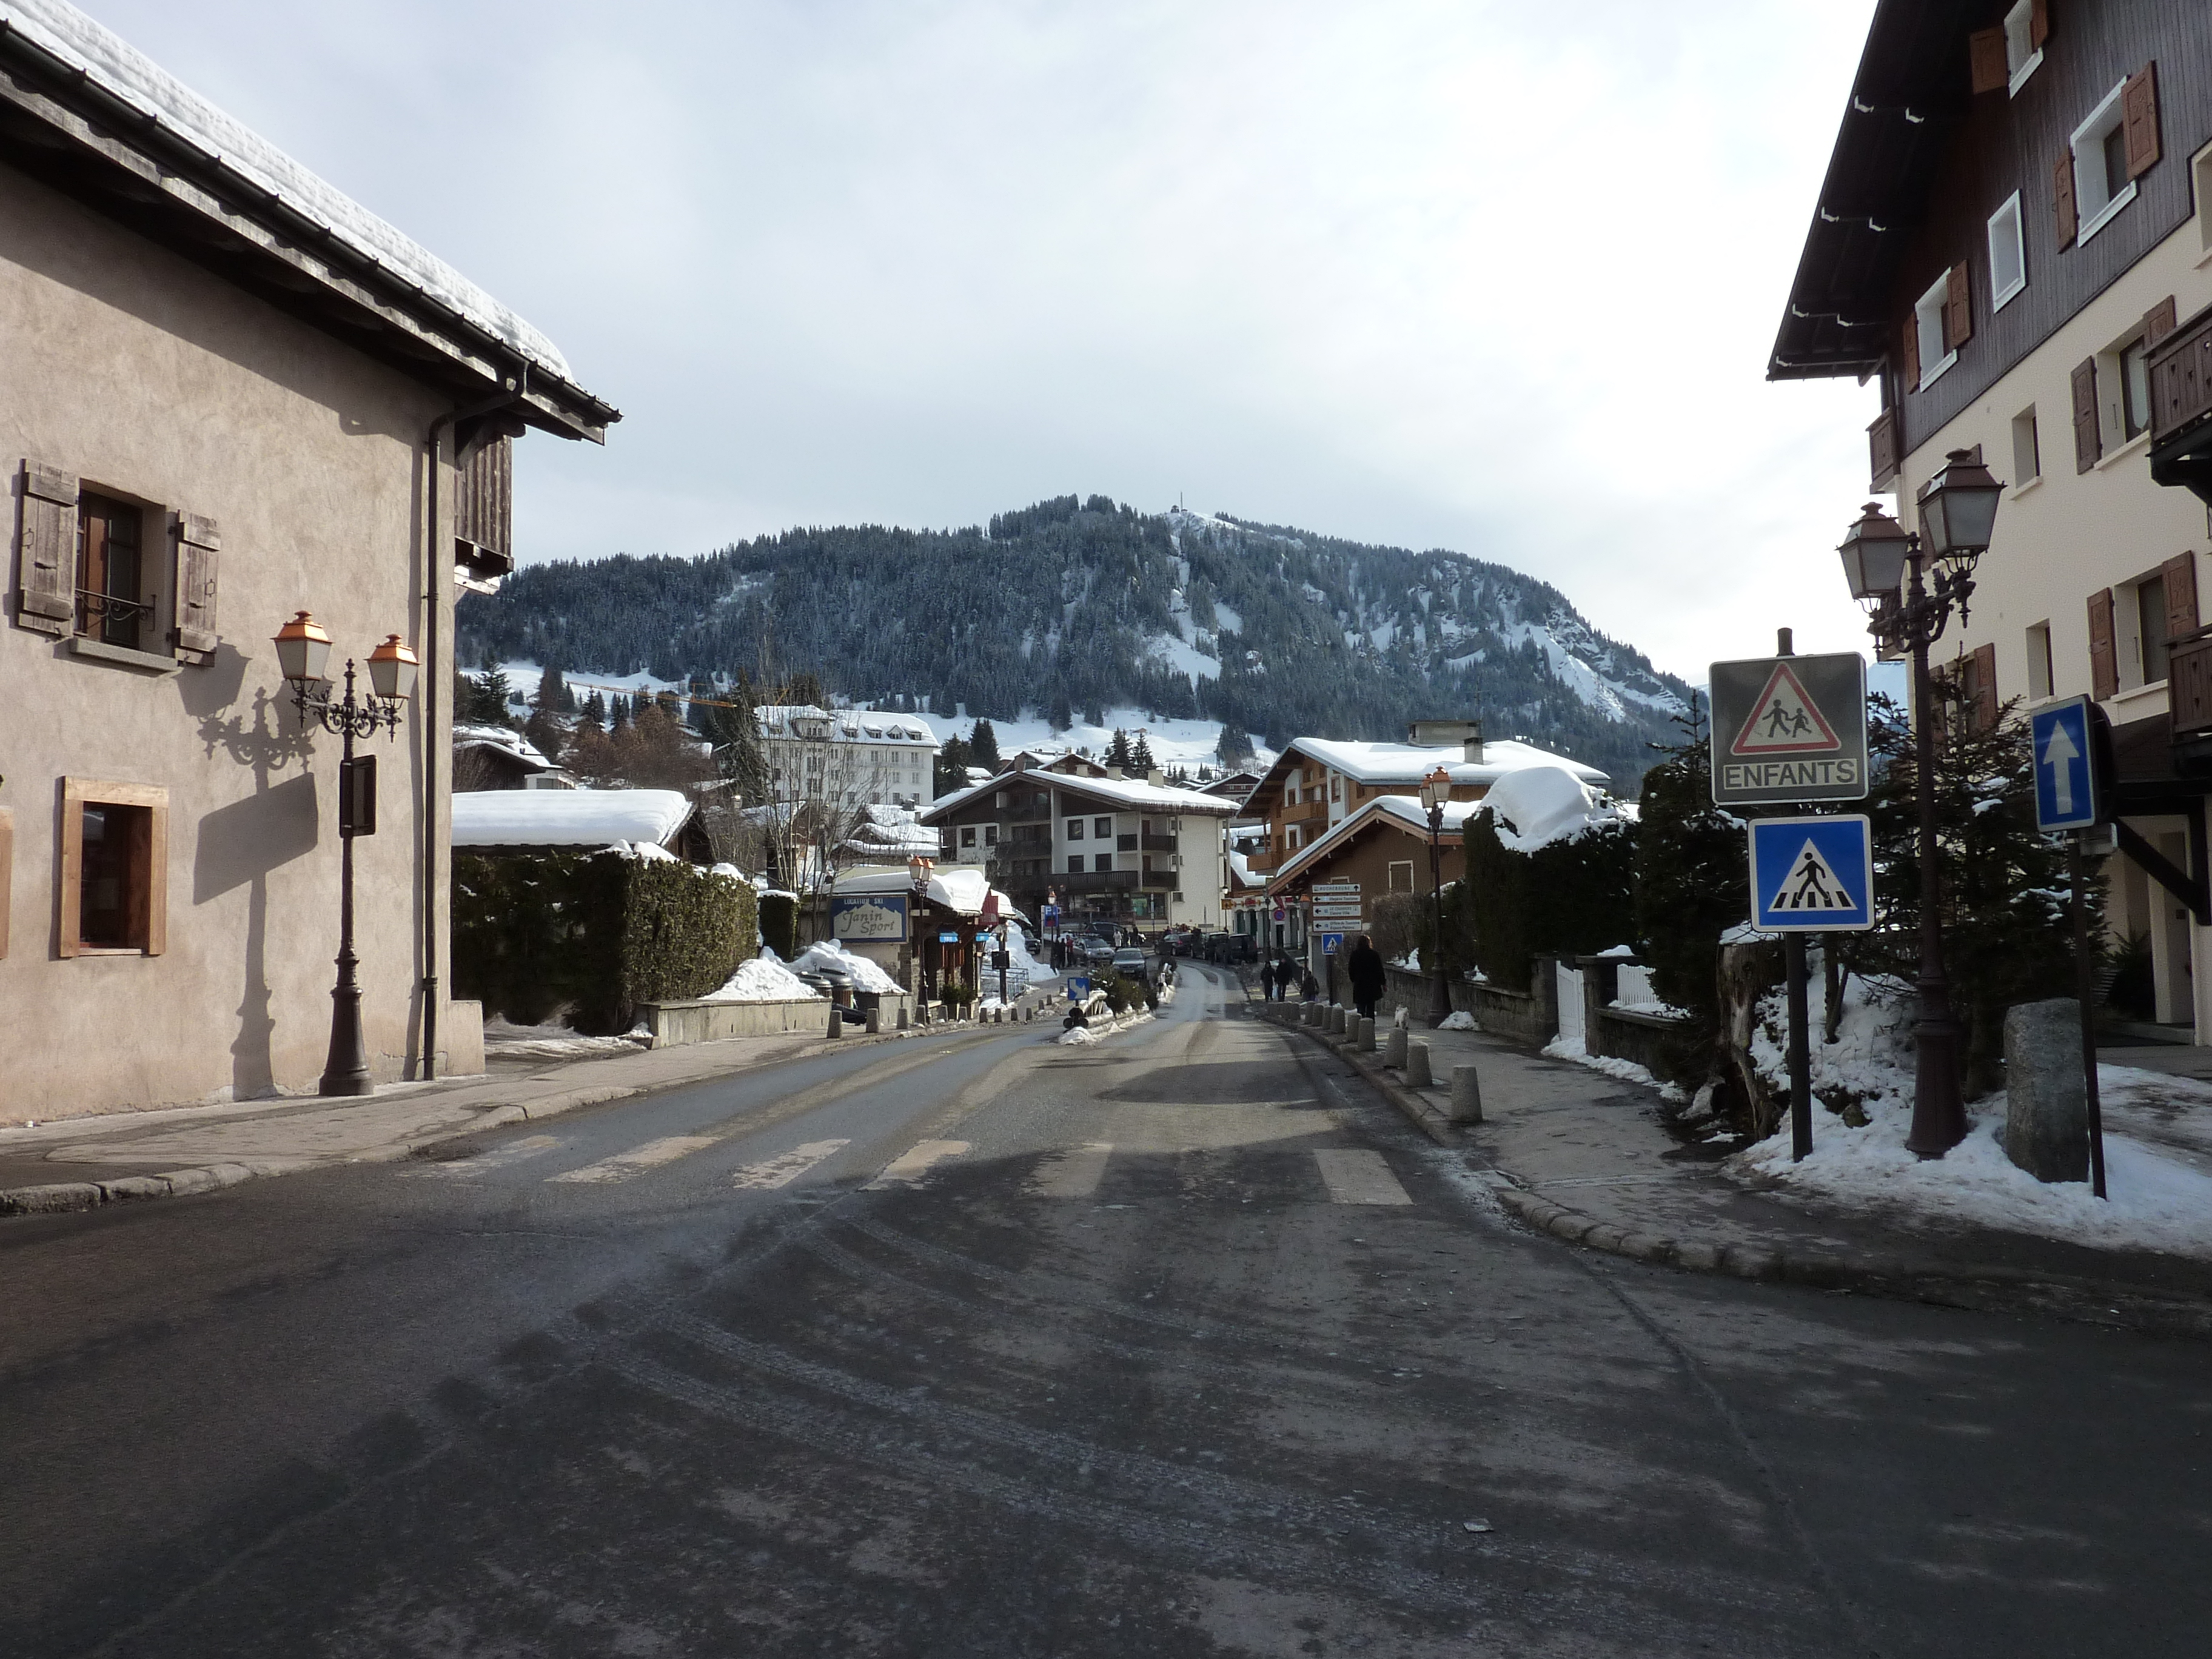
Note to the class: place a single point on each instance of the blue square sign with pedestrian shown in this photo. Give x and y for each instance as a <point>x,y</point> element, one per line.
<point>1812,875</point>
<point>2066,782</point>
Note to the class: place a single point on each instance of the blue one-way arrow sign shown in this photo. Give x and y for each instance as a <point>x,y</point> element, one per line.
<point>1812,875</point>
<point>2067,792</point>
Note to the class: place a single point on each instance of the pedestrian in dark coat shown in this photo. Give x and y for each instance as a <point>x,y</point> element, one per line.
<point>1267,982</point>
<point>1363,967</point>
<point>1308,987</point>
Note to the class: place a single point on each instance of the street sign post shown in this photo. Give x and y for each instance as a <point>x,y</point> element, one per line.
<point>1812,875</point>
<point>1332,944</point>
<point>1789,730</point>
<point>2069,781</point>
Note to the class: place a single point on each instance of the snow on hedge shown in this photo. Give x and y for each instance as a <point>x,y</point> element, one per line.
<point>1535,805</point>
<point>764,979</point>
<point>566,817</point>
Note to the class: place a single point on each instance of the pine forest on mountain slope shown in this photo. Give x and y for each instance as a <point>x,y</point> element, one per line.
<point>1070,608</point>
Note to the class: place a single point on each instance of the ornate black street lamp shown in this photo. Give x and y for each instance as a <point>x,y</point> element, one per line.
<point>303,652</point>
<point>1436,790</point>
<point>1910,606</point>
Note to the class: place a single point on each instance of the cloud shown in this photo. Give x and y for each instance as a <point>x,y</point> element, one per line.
<point>1445,275</point>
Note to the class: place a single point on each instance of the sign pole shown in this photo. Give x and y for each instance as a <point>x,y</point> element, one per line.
<point>1793,960</point>
<point>2085,992</point>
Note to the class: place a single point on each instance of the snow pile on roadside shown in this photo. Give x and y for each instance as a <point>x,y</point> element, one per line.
<point>2156,1203</point>
<point>866,974</point>
<point>764,979</point>
<point>1459,1020</point>
<point>504,1040</point>
<point>1871,1060</point>
<point>1561,1047</point>
<point>1076,1036</point>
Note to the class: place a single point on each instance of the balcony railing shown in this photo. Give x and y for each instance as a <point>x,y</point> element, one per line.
<point>1159,843</point>
<point>1125,843</point>
<point>2181,378</point>
<point>1305,811</point>
<point>2188,683</point>
<point>1097,881</point>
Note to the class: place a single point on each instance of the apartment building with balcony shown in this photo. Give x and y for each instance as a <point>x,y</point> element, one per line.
<point>2013,247</point>
<point>1103,846</point>
<point>847,756</point>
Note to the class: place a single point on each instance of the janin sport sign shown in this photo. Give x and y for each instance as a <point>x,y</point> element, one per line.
<point>1788,729</point>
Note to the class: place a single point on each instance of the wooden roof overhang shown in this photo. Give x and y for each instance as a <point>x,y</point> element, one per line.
<point>65,130</point>
<point>1908,97</point>
<point>1342,839</point>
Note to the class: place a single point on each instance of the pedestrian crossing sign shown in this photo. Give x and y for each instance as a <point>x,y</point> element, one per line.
<point>1812,875</point>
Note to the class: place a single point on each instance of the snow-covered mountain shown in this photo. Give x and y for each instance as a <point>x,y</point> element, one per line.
<point>1064,611</point>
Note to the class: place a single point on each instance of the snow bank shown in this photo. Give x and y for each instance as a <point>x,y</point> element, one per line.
<point>868,975</point>
<point>1534,806</point>
<point>566,817</point>
<point>1076,1036</point>
<point>764,979</point>
<point>1459,1020</point>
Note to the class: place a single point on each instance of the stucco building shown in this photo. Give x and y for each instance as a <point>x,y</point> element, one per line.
<point>847,756</point>
<point>2013,246</point>
<point>231,394</point>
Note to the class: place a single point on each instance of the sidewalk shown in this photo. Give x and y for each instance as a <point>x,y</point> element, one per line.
<point>82,1163</point>
<point>1584,1156</point>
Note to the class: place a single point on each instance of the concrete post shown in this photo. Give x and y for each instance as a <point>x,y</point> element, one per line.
<point>875,1021</point>
<point>2047,1097</point>
<point>1365,1041</point>
<point>905,1020</point>
<point>1393,1053</point>
<point>1465,1095</point>
<point>836,1021</point>
<point>1335,1018</point>
<point>1417,1066</point>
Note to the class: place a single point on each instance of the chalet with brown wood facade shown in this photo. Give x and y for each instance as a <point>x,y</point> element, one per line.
<point>2013,246</point>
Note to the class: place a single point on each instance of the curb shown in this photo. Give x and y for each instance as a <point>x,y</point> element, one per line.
<point>1417,1111</point>
<point>71,1197</point>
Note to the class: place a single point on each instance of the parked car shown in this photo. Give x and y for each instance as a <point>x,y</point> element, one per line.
<point>1098,951</point>
<point>1131,961</point>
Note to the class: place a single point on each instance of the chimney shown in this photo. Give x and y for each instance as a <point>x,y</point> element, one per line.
<point>1435,734</point>
<point>1155,778</point>
<point>1113,771</point>
<point>1471,746</point>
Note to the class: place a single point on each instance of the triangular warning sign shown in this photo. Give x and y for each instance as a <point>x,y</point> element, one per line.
<point>1785,721</point>
<point>1812,884</point>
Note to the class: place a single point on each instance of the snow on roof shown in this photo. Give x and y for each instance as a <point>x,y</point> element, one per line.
<point>1409,763</point>
<point>568,817</point>
<point>504,738</point>
<point>890,832</point>
<point>845,725</point>
<point>1122,792</point>
<point>959,887</point>
<point>125,73</point>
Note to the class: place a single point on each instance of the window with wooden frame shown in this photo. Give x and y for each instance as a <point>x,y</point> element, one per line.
<point>1402,876</point>
<point>1942,322</point>
<point>2039,662</point>
<point>2108,153</point>
<point>2026,449</point>
<point>114,889</point>
<point>86,567</point>
<point>2007,55</point>
<point>2008,255</point>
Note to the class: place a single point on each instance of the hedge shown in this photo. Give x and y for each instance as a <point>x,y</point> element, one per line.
<point>779,924</point>
<point>1570,897</point>
<point>595,933</point>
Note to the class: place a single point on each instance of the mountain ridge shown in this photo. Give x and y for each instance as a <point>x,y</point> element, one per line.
<point>1074,605</point>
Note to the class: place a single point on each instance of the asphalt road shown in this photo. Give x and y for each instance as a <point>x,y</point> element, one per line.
<point>1178,1345</point>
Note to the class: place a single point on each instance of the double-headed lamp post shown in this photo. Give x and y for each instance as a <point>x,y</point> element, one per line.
<point>303,654</point>
<point>917,874</point>
<point>1909,604</point>
<point>1436,790</point>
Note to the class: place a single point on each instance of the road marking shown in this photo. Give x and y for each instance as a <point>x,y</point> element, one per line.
<point>1074,1173</point>
<point>467,1169</point>
<point>910,1166</point>
<point>636,1162</point>
<point>782,1171</point>
<point>1355,1176</point>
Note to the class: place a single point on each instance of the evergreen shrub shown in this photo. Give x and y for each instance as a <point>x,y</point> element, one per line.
<point>779,924</point>
<point>593,932</point>
<point>1570,896</point>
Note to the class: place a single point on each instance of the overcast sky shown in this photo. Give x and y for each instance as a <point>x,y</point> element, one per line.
<point>1495,277</point>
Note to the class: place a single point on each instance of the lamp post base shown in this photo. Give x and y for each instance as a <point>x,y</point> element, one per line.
<point>1939,1115</point>
<point>345,1071</point>
<point>1440,1008</point>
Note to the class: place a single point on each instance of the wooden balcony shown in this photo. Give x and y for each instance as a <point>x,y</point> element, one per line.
<point>2188,684</point>
<point>1305,811</point>
<point>2181,407</point>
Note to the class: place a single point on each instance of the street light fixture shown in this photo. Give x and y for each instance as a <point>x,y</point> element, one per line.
<point>1436,790</point>
<point>1910,606</point>
<point>303,652</point>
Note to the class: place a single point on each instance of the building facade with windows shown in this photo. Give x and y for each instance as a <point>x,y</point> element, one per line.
<point>848,757</point>
<point>1106,847</point>
<point>2013,246</point>
<point>231,394</point>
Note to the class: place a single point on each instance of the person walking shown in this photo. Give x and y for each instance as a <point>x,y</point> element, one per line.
<point>1364,967</point>
<point>1286,975</point>
<point>1267,982</point>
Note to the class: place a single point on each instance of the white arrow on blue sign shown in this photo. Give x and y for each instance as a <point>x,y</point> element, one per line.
<point>2066,791</point>
<point>1812,875</point>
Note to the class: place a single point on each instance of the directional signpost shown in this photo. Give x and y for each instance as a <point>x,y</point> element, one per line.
<point>2067,741</point>
<point>1790,731</point>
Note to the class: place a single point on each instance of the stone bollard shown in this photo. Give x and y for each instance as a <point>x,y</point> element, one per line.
<point>1465,1095</point>
<point>1365,1039</point>
<point>1417,1066</point>
<point>875,1021</point>
<point>1335,1020</point>
<point>1393,1051</point>
<point>2046,1098</point>
<point>904,1021</point>
<point>836,1021</point>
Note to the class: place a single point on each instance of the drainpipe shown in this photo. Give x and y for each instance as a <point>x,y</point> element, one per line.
<point>437,577</point>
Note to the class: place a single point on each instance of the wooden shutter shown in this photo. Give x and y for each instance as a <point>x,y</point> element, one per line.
<point>2180,573</point>
<point>199,549</point>
<point>1982,716</point>
<point>1985,54</point>
<point>2062,199</point>
<point>2139,109</point>
<point>2089,442</point>
<point>2039,23</point>
<point>483,505</point>
<point>1957,308</point>
<point>2104,664</point>
<point>1911,353</point>
<point>45,559</point>
<point>2159,321</point>
<point>1882,449</point>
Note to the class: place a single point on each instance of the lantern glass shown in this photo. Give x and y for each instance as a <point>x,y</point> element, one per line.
<point>391,669</point>
<point>1436,789</point>
<point>1874,550</point>
<point>303,650</point>
<point>1959,507</point>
